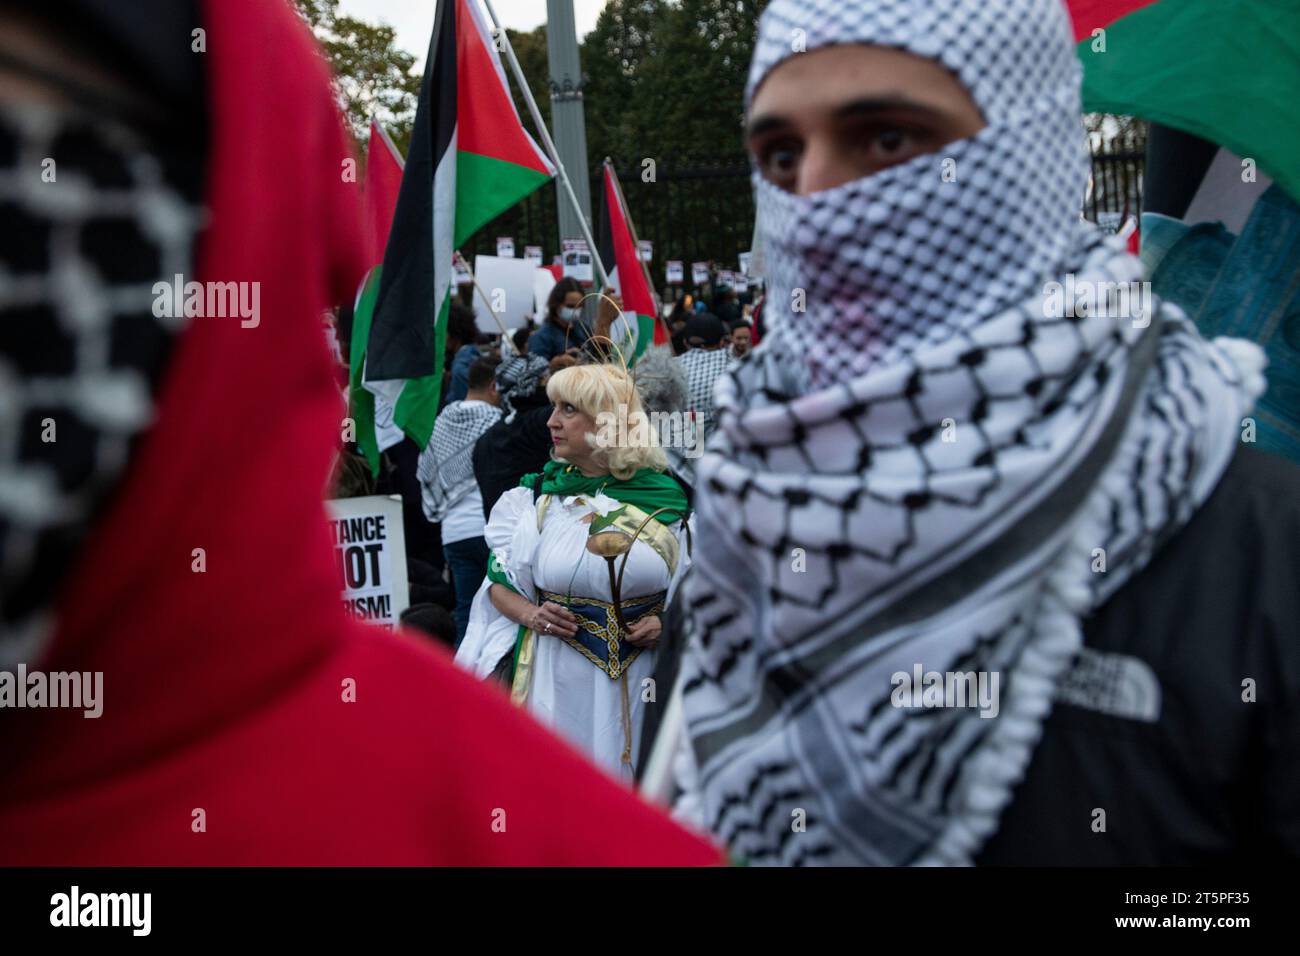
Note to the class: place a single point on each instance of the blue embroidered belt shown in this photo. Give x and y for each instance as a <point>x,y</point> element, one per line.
<point>598,638</point>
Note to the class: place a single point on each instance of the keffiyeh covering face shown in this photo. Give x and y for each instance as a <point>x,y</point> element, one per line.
<point>920,470</point>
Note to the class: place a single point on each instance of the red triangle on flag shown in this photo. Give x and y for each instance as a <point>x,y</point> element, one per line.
<point>383,180</point>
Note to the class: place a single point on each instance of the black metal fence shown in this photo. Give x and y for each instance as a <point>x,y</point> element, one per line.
<point>705,212</point>
<point>1116,188</point>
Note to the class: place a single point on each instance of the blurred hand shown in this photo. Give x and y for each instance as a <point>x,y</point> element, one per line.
<point>645,632</point>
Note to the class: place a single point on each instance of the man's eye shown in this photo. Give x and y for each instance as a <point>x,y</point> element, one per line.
<point>891,141</point>
<point>779,160</point>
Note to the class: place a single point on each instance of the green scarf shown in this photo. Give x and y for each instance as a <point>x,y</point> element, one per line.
<point>647,489</point>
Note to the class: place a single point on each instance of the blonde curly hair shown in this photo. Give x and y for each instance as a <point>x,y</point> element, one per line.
<point>608,393</point>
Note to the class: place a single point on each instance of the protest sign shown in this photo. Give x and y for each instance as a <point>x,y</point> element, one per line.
<point>700,273</point>
<point>460,272</point>
<point>508,285</point>
<point>533,254</point>
<point>370,553</point>
<point>544,281</point>
<point>577,260</point>
<point>645,249</point>
<point>673,271</point>
<point>505,247</point>
<point>744,262</point>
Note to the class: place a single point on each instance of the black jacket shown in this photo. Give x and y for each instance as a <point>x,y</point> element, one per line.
<point>1151,726</point>
<point>1213,778</point>
<point>508,451</point>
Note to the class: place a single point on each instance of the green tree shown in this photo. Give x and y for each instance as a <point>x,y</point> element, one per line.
<point>530,49</point>
<point>372,76</point>
<point>619,102</point>
<point>666,80</point>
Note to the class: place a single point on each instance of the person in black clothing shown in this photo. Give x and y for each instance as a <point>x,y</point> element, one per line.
<point>520,443</point>
<point>726,307</point>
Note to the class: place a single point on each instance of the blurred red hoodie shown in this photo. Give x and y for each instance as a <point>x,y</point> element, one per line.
<point>223,690</point>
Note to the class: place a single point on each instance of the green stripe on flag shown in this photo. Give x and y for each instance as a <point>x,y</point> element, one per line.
<point>486,187</point>
<point>417,406</point>
<point>645,334</point>
<point>1226,72</point>
<point>360,399</point>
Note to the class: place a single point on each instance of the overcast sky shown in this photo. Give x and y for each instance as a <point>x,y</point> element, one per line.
<point>413,19</point>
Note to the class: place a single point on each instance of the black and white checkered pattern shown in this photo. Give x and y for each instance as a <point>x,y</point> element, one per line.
<point>703,368</point>
<point>864,273</point>
<point>921,467</point>
<point>81,350</point>
<point>518,378</point>
<point>446,466</point>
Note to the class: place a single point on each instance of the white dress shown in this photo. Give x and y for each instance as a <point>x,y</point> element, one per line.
<point>568,692</point>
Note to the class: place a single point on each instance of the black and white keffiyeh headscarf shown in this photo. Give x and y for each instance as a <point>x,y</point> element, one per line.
<point>446,466</point>
<point>923,467</point>
<point>92,217</point>
<point>519,377</point>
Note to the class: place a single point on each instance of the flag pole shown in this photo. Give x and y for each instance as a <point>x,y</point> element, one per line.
<point>486,301</point>
<point>636,244</point>
<point>548,144</point>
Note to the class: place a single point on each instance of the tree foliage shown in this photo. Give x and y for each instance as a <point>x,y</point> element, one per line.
<point>372,75</point>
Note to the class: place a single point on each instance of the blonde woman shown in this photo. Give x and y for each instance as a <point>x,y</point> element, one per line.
<point>545,619</point>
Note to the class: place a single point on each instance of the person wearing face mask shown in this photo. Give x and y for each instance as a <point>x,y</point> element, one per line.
<point>974,562</point>
<point>563,328</point>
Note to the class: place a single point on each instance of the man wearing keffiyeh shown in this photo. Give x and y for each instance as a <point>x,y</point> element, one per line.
<point>935,474</point>
<point>448,490</point>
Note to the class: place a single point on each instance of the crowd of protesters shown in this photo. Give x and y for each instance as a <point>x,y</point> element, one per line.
<point>764,638</point>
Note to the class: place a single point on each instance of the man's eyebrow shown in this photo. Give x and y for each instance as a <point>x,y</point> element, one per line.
<point>885,104</point>
<point>765,124</point>
<point>854,109</point>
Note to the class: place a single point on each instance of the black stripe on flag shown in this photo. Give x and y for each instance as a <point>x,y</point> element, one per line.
<point>401,342</point>
<point>606,250</point>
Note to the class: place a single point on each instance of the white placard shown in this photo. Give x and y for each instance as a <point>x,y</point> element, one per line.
<point>533,254</point>
<point>744,262</point>
<point>741,283</point>
<point>460,272</point>
<point>505,247</point>
<point>673,271</point>
<point>508,286</point>
<point>370,554</point>
<point>727,278</point>
<point>700,273</point>
<point>645,249</point>
<point>543,282</point>
<point>577,260</point>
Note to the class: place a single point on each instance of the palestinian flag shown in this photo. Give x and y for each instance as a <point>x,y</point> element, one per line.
<point>382,183</point>
<point>1228,72</point>
<point>470,159</point>
<point>618,245</point>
